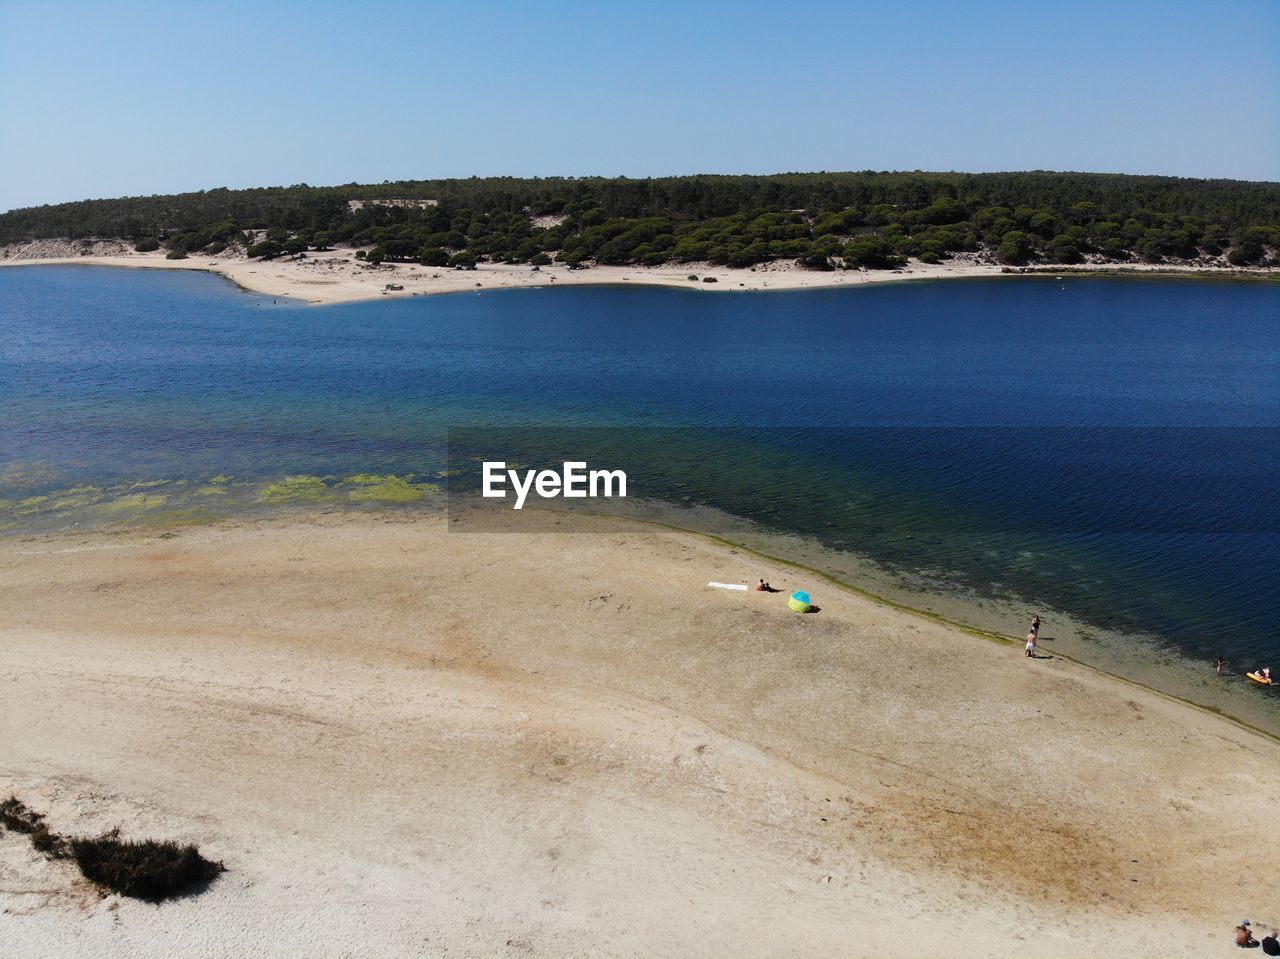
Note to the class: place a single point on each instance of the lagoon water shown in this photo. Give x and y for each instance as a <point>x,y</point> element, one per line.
<point>1106,448</point>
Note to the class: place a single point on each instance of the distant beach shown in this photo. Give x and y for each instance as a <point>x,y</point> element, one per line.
<point>336,276</point>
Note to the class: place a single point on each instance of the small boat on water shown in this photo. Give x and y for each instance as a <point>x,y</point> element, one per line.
<point>1259,678</point>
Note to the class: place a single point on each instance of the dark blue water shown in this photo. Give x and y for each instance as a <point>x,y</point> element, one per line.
<point>1109,449</point>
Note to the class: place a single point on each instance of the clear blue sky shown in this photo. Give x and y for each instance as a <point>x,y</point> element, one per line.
<point>115,98</point>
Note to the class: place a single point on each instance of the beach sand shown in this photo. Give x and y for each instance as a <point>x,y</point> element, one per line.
<point>335,276</point>
<point>405,740</point>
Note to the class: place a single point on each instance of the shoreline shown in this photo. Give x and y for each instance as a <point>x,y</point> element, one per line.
<point>977,632</point>
<point>862,575</point>
<point>546,736</point>
<point>334,276</point>
<point>1151,661</point>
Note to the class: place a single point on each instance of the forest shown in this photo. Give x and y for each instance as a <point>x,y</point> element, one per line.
<point>821,220</point>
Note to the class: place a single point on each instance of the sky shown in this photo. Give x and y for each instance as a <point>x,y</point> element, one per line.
<point>120,98</point>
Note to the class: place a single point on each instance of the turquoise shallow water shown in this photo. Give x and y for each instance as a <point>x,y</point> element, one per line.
<point>1107,449</point>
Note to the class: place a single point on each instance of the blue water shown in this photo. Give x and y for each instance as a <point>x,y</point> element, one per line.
<point>1109,449</point>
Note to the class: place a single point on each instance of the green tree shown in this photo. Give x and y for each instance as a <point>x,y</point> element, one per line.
<point>267,250</point>
<point>1015,247</point>
<point>1063,250</point>
<point>871,252</point>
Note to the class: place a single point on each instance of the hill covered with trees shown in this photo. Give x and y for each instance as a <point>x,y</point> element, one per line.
<point>822,220</point>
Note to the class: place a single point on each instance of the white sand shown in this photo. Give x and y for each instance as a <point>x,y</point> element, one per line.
<point>405,741</point>
<point>335,276</point>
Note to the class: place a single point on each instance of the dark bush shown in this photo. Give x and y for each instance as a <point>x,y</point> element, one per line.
<point>1245,254</point>
<point>15,815</point>
<point>143,870</point>
<point>815,261</point>
<point>267,249</point>
<point>176,255</point>
<point>146,244</point>
<point>709,279</point>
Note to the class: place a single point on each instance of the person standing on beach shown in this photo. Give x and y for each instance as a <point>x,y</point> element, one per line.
<point>1035,625</point>
<point>1031,645</point>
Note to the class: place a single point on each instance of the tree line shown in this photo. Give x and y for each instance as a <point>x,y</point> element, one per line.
<point>822,220</point>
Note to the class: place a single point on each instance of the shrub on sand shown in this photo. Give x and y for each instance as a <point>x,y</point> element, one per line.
<point>143,870</point>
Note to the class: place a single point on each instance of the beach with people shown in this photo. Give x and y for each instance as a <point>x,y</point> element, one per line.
<point>559,740</point>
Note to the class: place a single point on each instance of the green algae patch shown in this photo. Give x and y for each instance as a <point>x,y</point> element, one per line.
<point>77,497</point>
<point>133,503</point>
<point>212,490</point>
<point>58,501</point>
<point>219,480</point>
<point>29,474</point>
<point>296,489</point>
<point>388,489</point>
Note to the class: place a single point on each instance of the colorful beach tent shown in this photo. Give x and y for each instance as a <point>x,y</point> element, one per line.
<point>799,601</point>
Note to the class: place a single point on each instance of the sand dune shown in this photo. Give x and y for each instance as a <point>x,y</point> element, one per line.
<point>407,741</point>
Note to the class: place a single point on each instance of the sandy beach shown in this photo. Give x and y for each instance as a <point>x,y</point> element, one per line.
<point>404,740</point>
<point>336,276</point>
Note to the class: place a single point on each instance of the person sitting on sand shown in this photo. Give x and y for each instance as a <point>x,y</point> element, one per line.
<point>1244,936</point>
<point>1271,945</point>
<point>1031,645</point>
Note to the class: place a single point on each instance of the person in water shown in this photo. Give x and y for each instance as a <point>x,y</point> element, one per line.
<point>1266,674</point>
<point>1271,945</point>
<point>1219,665</point>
